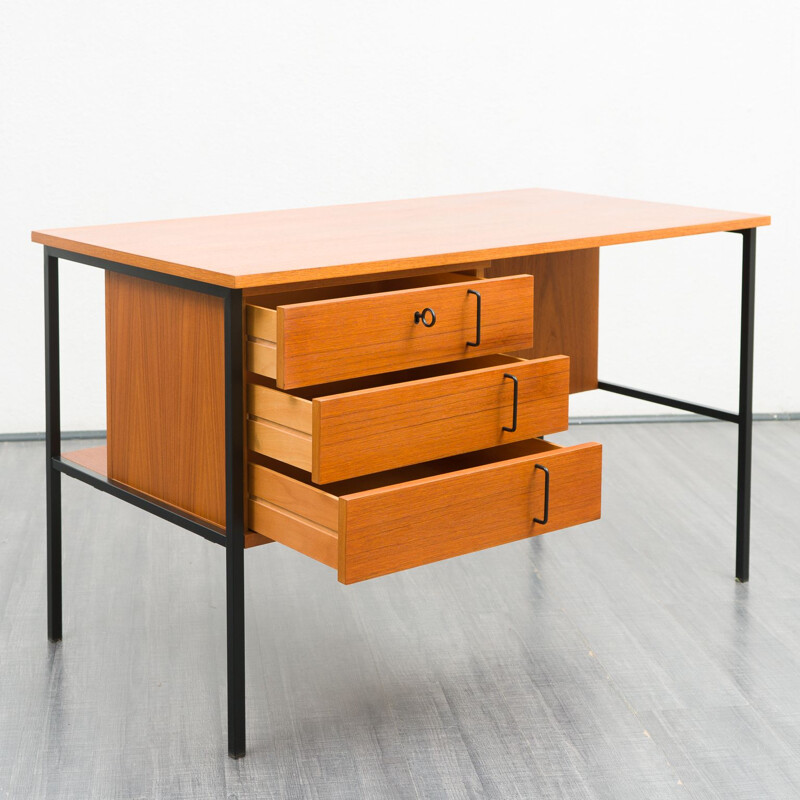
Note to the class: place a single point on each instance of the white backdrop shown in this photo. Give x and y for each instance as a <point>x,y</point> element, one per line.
<point>112,112</point>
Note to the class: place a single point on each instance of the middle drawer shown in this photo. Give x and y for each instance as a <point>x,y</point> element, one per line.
<point>358,427</point>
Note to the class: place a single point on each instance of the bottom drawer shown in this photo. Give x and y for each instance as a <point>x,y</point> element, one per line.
<point>379,524</point>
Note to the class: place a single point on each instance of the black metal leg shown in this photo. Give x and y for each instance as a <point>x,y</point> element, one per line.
<point>52,446</point>
<point>744,417</point>
<point>745,406</point>
<point>233,538</point>
<point>234,527</point>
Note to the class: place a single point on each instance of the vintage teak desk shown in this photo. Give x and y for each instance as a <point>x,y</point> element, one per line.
<point>367,384</point>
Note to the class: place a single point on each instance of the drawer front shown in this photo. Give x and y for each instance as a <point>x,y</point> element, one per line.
<point>371,527</point>
<point>374,430</point>
<point>341,338</point>
<point>345,435</point>
<point>403,526</point>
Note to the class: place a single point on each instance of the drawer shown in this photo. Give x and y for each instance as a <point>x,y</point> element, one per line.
<point>306,338</point>
<point>367,527</point>
<point>368,425</point>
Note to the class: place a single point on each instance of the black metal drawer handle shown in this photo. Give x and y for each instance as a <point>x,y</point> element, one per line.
<point>419,316</point>
<point>516,400</point>
<point>546,471</point>
<point>477,321</point>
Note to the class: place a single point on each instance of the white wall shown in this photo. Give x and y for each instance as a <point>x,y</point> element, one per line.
<point>124,111</point>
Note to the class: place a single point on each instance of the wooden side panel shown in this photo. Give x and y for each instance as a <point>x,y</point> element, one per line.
<point>343,338</point>
<point>358,433</point>
<point>293,530</point>
<point>281,490</point>
<point>261,358</point>
<point>261,322</point>
<point>387,530</point>
<point>565,316</point>
<point>279,407</point>
<point>166,393</point>
<point>278,441</point>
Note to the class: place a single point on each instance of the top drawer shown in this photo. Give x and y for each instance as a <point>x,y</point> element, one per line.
<point>371,331</point>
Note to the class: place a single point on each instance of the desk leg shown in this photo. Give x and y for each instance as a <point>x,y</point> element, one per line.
<point>745,406</point>
<point>52,446</point>
<point>744,417</point>
<point>234,526</point>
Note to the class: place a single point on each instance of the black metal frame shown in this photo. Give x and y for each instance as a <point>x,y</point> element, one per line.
<point>744,418</point>
<point>231,538</point>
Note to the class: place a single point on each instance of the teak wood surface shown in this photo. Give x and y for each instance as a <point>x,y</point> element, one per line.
<point>262,319</point>
<point>378,429</point>
<point>344,435</point>
<point>565,308</point>
<point>306,244</point>
<point>400,527</point>
<point>347,337</point>
<point>299,516</point>
<point>408,517</point>
<point>165,385</point>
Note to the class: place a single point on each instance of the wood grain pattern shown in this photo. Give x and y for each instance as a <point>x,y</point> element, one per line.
<point>261,322</point>
<point>336,339</point>
<point>408,517</point>
<point>391,529</point>
<point>565,308</point>
<point>393,426</point>
<point>261,358</point>
<point>415,416</point>
<point>278,441</point>
<point>279,407</point>
<point>295,531</point>
<point>282,490</point>
<point>165,393</point>
<point>273,247</point>
<point>290,512</point>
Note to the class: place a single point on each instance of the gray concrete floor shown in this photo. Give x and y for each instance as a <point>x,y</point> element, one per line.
<point>614,660</point>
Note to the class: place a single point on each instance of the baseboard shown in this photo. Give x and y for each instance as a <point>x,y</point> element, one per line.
<point>659,418</point>
<point>619,420</point>
<point>39,436</point>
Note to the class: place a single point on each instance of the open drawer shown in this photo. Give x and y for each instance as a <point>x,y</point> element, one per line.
<point>351,428</point>
<point>376,525</point>
<point>315,336</point>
